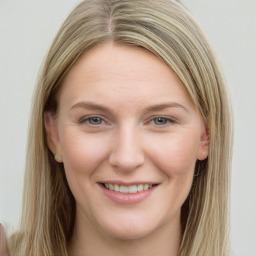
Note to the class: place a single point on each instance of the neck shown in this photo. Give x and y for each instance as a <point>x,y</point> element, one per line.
<point>88,241</point>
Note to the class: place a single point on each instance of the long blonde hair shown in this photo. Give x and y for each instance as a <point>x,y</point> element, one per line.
<point>166,29</point>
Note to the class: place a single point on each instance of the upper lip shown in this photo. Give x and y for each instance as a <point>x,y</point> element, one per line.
<point>119,182</point>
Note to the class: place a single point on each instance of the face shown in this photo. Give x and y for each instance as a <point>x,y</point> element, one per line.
<point>129,137</point>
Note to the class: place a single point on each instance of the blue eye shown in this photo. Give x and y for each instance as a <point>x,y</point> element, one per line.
<point>94,120</point>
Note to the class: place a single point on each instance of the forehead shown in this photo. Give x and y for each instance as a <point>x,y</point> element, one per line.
<point>123,72</point>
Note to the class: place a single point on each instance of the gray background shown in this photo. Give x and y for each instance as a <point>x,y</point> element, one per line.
<point>27,28</point>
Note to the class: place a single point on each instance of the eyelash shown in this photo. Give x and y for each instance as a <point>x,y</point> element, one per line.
<point>89,118</point>
<point>167,121</point>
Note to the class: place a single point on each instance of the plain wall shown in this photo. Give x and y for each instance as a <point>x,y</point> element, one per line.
<point>27,28</point>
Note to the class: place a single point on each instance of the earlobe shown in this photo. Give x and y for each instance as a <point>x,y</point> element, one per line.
<point>52,135</point>
<point>204,145</point>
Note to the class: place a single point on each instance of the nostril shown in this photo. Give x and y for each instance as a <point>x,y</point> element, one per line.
<point>126,161</point>
<point>127,153</point>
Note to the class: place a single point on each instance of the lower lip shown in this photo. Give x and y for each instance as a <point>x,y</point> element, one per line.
<point>127,198</point>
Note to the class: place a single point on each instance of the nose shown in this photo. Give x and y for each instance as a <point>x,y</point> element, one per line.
<point>127,153</point>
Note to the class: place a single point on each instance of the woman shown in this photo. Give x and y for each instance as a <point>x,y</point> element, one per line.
<point>130,138</point>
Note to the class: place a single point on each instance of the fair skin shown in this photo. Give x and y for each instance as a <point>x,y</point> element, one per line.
<point>125,119</point>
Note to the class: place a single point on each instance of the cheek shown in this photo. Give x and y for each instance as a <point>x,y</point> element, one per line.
<point>82,153</point>
<point>177,154</point>
<point>81,157</point>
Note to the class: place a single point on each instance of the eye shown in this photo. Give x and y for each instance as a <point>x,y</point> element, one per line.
<point>93,120</point>
<point>162,121</point>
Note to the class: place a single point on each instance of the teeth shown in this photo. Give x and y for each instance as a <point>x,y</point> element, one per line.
<point>140,188</point>
<point>133,189</point>
<point>128,189</point>
<point>124,189</point>
<point>145,186</point>
<point>116,187</point>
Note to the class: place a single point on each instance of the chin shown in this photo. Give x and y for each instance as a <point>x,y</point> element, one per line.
<point>130,233</point>
<point>135,227</point>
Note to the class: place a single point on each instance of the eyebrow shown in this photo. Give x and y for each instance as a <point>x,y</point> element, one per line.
<point>156,107</point>
<point>90,105</point>
<point>162,106</point>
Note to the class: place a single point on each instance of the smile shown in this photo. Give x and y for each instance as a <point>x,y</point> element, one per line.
<point>128,189</point>
<point>128,193</point>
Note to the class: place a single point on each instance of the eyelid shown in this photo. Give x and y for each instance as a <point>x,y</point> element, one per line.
<point>87,117</point>
<point>170,120</point>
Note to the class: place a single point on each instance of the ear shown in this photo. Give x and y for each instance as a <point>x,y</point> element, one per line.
<point>204,144</point>
<point>52,135</point>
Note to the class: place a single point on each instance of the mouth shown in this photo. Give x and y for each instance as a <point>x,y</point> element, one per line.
<point>128,193</point>
<point>130,189</point>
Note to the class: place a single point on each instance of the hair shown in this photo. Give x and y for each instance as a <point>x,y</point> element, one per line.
<point>166,29</point>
